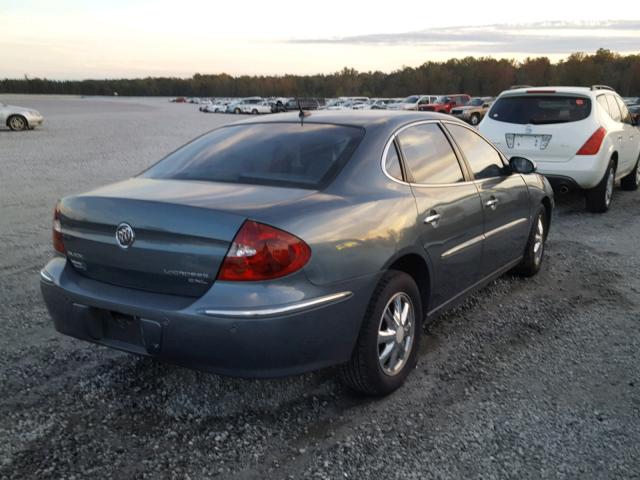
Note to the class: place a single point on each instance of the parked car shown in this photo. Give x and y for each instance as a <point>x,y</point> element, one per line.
<point>474,110</point>
<point>245,105</point>
<point>444,103</point>
<point>271,247</point>
<point>383,103</point>
<point>264,106</point>
<point>631,101</point>
<point>306,103</point>
<point>20,118</point>
<point>216,107</point>
<point>412,102</point>
<point>579,137</point>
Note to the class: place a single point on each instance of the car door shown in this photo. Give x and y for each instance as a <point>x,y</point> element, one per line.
<point>449,223</point>
<point>629,133</point>
<point>504,197</point>
<point>618,133</point>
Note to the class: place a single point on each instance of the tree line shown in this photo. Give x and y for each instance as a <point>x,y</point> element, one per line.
<point>477,76</point>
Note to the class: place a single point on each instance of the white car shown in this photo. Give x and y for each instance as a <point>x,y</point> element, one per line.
<point>579,137</point>
<point>238,105</point>
<point>263,106</point>
<point>19,118</point>
<point>412,102</point>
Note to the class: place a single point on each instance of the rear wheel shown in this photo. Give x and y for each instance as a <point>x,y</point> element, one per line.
<point>387,346</point>
<point>631,181</point>
<point>475,119</point>
<point>534,252</point>
<point>17,123</point>
<point>237,111</point>
<point>598,199</point>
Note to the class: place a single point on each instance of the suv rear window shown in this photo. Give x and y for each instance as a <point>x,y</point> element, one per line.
<point>540,109</point>
<point>281,154</point>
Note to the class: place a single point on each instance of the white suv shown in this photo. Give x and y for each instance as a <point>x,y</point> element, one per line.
<point>579,137</point>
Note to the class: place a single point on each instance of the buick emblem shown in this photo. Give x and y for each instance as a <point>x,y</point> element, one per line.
<point>125,236</point>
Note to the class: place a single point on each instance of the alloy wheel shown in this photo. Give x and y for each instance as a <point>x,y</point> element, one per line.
<point>538,241</point>
<point>609,190</point>
<point>17,123</point>
<point>396,333</point>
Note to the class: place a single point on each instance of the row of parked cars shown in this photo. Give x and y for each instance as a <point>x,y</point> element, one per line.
<point>463,106</point>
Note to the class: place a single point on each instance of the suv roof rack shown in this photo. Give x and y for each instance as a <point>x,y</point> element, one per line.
<point>602,87</point>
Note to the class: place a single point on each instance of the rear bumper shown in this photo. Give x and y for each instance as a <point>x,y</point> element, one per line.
<point>191,332</point>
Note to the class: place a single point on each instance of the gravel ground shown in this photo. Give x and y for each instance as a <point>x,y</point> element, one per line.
<point>533,378</point>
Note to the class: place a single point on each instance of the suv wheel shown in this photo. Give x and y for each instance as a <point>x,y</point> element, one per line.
<point>387,346</point>
<point>475,119</point>
<point>631,181</point>
<point>598,199</point>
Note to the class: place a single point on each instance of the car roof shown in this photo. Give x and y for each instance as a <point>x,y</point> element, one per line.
<point>357,118</point>
<point>557,89</point>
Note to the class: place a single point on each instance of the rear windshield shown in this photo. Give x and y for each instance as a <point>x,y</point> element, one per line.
<point>540,109</point>
<point>285,154</point>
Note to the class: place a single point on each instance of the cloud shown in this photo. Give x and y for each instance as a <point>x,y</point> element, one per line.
<point>534,38</point>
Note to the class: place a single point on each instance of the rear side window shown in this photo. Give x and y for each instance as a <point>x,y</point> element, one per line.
<point>484,160</point>
<point>540,109</point>
<point>602,100</point>
<point>614,110</point>
<point>392,163</point>
<point>428,155</point>
<point>280,154</point>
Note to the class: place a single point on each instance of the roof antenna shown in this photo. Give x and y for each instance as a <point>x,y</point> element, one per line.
<point>302,113</point>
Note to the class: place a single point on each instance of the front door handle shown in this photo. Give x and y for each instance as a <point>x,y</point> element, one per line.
<point>433,218</point>
<point>492,203</point>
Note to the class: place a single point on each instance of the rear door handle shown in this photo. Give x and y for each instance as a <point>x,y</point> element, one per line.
<point>491,203</point>
<point>433,218</point>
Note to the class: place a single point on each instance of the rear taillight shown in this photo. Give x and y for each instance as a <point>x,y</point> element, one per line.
<point>58,244</point>
<point>592,146</point>
<point>261,252</point>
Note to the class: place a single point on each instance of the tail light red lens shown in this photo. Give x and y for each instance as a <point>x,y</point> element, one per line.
<point>592,146</point>
<point>58,244</point>
<point>261,252</point>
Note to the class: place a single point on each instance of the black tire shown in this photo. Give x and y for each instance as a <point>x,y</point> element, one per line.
<point>598,199</point>
<point>237,111</point>
<point>534,251</point>
<point>254,112</point>
<point>631,181</point>
<point>17,123</point>
<point>475,119</point>
<point>364,372</point>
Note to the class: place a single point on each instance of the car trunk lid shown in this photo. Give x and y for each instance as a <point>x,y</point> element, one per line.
<point>180,231</point>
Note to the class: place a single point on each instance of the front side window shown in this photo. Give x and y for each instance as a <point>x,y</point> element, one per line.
<point>428,155</point>
<point>540,109</point>
<point>626,116</point>
<point>484,160</point>
<point>279,154</point>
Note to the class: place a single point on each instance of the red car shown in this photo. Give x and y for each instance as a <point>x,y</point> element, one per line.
<point>444,103</point>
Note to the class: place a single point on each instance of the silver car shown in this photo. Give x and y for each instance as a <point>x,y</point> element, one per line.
<point>19,118</point>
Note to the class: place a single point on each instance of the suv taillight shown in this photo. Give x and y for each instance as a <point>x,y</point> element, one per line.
<point>261,252</point>
<point>592,146</point>
<point>58,244</point>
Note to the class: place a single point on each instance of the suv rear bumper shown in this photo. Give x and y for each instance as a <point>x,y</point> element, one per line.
<point>180,330</point>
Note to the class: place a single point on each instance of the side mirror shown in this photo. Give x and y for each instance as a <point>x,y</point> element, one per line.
<point>521,165</point>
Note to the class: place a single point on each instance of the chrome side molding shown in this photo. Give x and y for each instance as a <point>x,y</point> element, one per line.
<point>271,311</point>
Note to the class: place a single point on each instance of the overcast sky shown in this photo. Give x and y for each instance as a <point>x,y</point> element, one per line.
<point>73,39</point>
